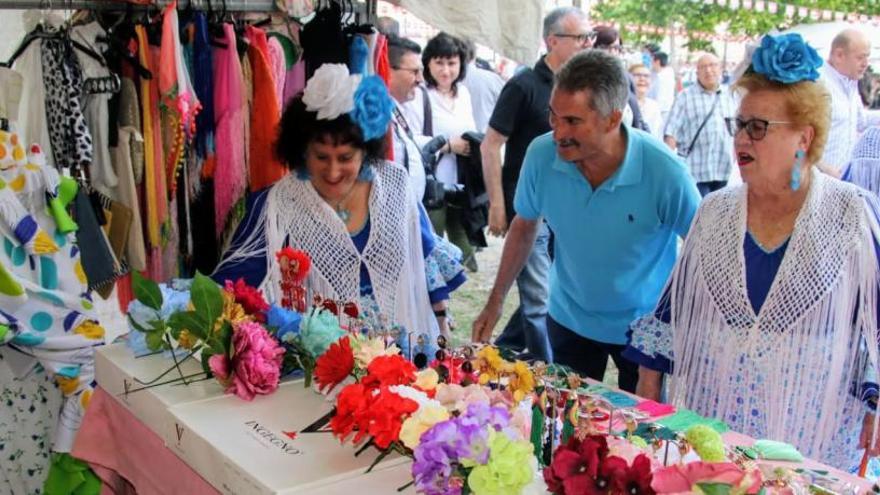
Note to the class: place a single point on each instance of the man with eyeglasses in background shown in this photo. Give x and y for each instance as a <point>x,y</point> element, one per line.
<point>521,114</point>
<point>406,75</point>
<point>696,130</point>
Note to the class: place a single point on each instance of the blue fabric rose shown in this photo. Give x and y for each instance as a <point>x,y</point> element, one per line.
<point>372,107</point>
<point>786,58</point>
<point>285,321</point>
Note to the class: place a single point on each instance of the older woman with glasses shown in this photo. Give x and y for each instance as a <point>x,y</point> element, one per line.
<point>769,320</point>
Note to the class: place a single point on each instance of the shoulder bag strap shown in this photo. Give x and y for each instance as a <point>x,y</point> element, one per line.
<point>705,120</point>
<point>428,118</point>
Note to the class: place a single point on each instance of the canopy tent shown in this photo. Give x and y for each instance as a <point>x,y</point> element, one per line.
<point>510,27</point>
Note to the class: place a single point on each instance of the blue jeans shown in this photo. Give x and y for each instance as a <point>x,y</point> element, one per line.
<point>527,327</point>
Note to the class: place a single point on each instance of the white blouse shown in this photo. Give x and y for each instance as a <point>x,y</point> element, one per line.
<point>447,121</point>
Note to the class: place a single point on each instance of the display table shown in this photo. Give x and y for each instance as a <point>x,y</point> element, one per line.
<point>194,439</point>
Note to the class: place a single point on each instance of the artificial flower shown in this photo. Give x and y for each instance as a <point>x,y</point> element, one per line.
<point>187,340</point>
<point>285,322</point>
<point>330,91</point>
<point>373,107</point>
<point>490,364</point>
<point>707,443</point>
<point>351,403</point>
<point>318,330</point>
<point>508,469</point>
<point>255,365</point>
<point>522,382</point>
<point>437,458</point>
<point>233,312</point>
<point>365,350</point>
<point>413,427</point>
<point>786,58</point>
<point>334,365</point>
<point>427,379</point>
<point>415,394</point>
<point>250,298</point>
<point>390,370</point>
<point>384,418</point>
<point>575,466</point>
<point>297,261</point>
<point>686,478</point>
<point>633,479</point>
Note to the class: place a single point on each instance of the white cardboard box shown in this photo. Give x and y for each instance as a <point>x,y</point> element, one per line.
<point>257,447</point>
<point>119,373</point>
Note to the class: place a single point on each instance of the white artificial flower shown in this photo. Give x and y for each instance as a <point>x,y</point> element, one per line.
<point>366,350</point>
<point>330,91</point>
<point>417,396</point>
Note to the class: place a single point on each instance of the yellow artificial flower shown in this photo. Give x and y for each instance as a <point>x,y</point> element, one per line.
<point>67,385</point>
<point>427,416</point>
<point>427,379</point>
<point>186,339</point>
<point>232,312</point>
<point>522,382</point>
<point>85,398</point>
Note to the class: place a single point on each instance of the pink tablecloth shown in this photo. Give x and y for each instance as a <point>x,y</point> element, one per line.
<point>128,456</point>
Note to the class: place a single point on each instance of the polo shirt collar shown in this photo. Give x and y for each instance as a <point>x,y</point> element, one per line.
<point>543,70</point>
<point>629,173</point>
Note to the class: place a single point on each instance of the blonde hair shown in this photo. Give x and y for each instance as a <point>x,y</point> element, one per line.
<point>806,103</point>
<point>637,66</point>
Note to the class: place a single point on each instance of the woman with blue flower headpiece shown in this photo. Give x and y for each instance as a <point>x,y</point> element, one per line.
<point>769,320</point>
<point>353,213</point>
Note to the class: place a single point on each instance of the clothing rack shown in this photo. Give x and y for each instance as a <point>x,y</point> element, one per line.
<point>230,5</point>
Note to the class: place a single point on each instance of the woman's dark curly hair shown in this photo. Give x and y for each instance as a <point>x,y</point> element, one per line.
<point>299,127</point>
<point>444,46</point>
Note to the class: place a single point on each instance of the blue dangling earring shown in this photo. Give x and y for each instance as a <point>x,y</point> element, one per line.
<point>366,173</point>
<point>796,170</point>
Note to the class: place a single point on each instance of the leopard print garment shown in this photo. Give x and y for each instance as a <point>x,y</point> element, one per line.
<point>68,132</point>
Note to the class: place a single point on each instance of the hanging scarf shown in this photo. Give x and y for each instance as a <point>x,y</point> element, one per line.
<point>786,373</point>
<point>230,176</point>
<point>151,193</point>
<point>204,87</point>
<point>265,169</point>
<point>68,132</point>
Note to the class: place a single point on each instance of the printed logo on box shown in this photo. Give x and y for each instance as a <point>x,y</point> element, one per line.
<point>268,438</point>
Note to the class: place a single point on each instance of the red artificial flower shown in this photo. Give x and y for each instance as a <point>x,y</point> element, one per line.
<point>335,364</point>
<point>576,467</point>
<point>330,305</point>
<point>635,479</point>
<point>250,298</point>
<point>296,262</point>
<point>385,417</point>
<point>389,370</point>
<point>350,309</point>
<point>351,403</point>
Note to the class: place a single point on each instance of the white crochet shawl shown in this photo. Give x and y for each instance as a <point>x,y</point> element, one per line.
<point>393,255</point>
<point>787,372</point>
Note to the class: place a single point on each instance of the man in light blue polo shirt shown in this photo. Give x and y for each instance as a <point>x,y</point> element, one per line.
<point>616,199</point>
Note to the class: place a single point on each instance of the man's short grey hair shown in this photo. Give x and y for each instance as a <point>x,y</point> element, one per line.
<point>599,73</point>
<point>553,20</point>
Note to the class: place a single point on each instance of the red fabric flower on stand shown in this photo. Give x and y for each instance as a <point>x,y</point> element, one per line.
<point>576,467</point>
<point>335,364</point>
<point>294,263</point>
<point>635,479</point>
<point>390,370</point>
<point>250,298</point>
<point>385,417</point>
<point>353,401</point>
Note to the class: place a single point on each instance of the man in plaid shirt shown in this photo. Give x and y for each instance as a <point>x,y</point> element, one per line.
<point>695,127</point>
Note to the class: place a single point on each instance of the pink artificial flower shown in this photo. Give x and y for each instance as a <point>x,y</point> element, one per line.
<point>255,364</point>
<point>683,478</point>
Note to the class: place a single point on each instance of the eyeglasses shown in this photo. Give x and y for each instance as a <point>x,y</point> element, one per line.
<point>756,129</point>
<point>580,38</point>
<point>414,71</point>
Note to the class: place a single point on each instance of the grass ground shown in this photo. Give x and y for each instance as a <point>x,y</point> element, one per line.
<point>468,300</point>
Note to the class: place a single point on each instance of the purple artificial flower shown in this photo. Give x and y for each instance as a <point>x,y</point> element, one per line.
<point>445,445</point>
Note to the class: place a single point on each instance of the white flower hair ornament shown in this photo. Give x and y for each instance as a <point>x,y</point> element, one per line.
<point>333,91</point>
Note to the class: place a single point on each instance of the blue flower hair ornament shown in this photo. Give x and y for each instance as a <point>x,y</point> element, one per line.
<point>373,107</point>
<point>787,59</point>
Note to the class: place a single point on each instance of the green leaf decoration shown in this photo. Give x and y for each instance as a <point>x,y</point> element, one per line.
<point>222,344</point>
<point>136,325</point>
<point>714,488</point>
<point>206,298</point>
<point>191,321</point>
<point>146,291</point>
<point>206,355</point>
<point>155,340</point>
